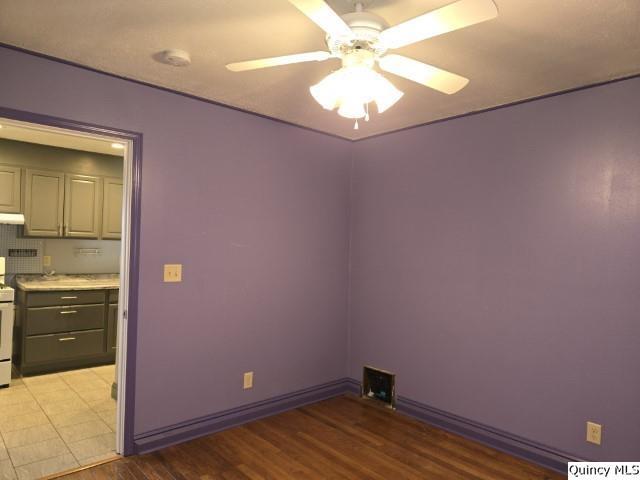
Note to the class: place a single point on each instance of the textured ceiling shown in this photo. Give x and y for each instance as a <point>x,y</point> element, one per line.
<point>534,47</point>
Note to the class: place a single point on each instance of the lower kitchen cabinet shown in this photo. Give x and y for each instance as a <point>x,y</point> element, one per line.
<point>48,320</point>
<point>59,330</point>
<point>63,346</point>
<point>112,328</point>
<point>112,321</point>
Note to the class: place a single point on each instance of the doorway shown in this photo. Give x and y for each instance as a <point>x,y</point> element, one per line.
<point>82,331</point>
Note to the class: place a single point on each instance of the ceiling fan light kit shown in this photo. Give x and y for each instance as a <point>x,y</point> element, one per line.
<point>351,88</point>
<point>361,39</point>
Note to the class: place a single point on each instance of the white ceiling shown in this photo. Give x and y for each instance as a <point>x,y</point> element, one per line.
<point>534,47</point>
<point>24,132</point>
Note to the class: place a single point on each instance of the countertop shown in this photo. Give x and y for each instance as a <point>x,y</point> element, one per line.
<point>99,281</point>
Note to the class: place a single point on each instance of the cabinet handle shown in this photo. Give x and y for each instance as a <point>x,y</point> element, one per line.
<point>68,312</point>
<point>66,339</point>
<point>68,298</point>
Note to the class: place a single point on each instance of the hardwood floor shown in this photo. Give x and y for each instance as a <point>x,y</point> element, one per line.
<point>341,438</point>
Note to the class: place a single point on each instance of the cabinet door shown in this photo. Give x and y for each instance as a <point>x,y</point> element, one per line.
<point>44,203</point>
<point>112,328</point>
<point>112,208</point>
<point>9,189</point>
<point>82,206</point>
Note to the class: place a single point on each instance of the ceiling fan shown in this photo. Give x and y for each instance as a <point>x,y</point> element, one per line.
<point>361,39</point>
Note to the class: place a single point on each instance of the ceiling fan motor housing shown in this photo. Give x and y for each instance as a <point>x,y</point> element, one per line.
<point>361,40</point>
<point>366,28</point>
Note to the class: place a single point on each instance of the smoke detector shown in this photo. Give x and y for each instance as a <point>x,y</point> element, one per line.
<point>174,57</point>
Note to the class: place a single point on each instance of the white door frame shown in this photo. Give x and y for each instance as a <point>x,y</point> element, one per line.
<point>90,131</point>
<point>123,300</point>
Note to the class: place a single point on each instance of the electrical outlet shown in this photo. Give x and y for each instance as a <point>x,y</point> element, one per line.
<point>173,272</point>
<point>248,380</point>
<point>46,261</point>
<point>594,433</point>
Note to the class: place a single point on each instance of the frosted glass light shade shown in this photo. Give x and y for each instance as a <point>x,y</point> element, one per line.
<point>326,92</point>
<point>352,110</point>
<point>386,94</point>
<point>351,88</point>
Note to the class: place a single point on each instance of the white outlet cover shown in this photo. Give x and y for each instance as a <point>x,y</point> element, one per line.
<point>594,433</point>
<point>248,380</point>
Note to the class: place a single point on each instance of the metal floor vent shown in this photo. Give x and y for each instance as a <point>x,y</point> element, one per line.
<point>379,385</point>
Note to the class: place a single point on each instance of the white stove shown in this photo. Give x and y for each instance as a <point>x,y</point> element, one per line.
<point>6,293</point>
<point>6,328</point>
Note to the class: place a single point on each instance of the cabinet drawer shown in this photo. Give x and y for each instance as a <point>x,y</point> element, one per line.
<point>114,296</point>
<point>70,297</point>
<point>64,346</point>
<point>46,320</point>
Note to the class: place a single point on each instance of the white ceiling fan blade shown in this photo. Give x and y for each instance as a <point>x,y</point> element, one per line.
<point>454,16</point>
<point>276,61</point>
<point>424,74</point>
<point>323,16</point>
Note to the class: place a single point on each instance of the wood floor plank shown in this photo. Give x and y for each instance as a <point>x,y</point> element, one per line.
<point>321,466</point>
<point>394,447</point>
<point>425,447</point>
<point>440,444</point>
<point>151,468</point>
<point>340,438</point>
<point>400,451</point>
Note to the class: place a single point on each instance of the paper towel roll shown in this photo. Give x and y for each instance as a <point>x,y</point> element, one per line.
<point>2,266</point>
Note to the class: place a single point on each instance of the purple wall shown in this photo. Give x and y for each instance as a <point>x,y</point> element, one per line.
<point>258,213</point>
<point>496,267</point>
<point>495,258</point>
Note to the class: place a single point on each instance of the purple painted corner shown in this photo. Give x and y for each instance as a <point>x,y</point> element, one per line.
<point>491,261</point>
<point>495,267</point>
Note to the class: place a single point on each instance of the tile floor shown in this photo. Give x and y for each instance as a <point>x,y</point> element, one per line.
<point>50,423</point>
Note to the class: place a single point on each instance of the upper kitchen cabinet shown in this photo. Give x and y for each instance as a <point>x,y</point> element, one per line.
<point>112,208</point>
<point>82,206</point>
<point>9,189</point>
<point>43,203</point>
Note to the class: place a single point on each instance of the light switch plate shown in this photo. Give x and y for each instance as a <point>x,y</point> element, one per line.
<point>46,261</point>
<point>248,380</point>
<point>173,272</point>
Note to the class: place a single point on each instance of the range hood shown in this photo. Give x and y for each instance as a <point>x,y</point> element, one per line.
<point>12,218</point>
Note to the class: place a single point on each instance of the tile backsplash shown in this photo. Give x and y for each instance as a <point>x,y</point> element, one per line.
<point>68,255</point>
<point>83,256</point>
<point>10,241</point>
